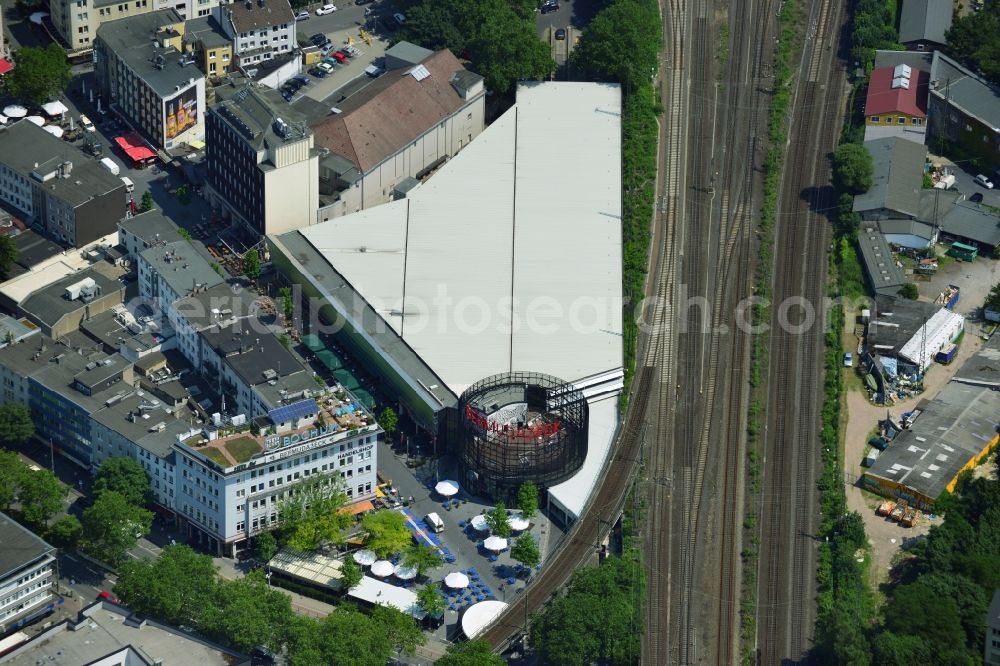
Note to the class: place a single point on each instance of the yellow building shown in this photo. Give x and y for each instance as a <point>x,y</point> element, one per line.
<point>897,98</point>
<point>210,45</point>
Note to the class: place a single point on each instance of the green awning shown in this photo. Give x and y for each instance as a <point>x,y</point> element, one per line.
<point>312,342</point>
<point>346,379</point>
<point>329,359</point>
<point>365,398</point>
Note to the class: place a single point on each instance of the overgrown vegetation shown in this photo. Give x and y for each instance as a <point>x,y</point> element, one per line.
<point>873,27</point>
<point>974,40</point>
<point>760,313</point>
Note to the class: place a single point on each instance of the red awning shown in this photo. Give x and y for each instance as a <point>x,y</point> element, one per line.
<point>5,66</point>
<point>134,147</point>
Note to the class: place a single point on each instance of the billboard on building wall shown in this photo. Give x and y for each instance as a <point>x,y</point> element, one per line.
<point>181,112</point>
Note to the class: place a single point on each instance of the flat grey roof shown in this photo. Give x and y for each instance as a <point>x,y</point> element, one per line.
<point>252,111</point>
<point>132,40</point>
<point>23,145</point>
<point>880,266</point>
<point>251,350</point>
<point>102,370</point>
<point>972,221</point>
<point>151,227</point>
<point>896,320</point>
<point>965,91</point>
<point>49,306</point>
<point>408,52</point>
<point>21,356</point>
<point>898,176</point>
<point>906,226</point>
<point>952,429</point>
<point>983,367</point>
<point>104,630</point>
<point>216,304</point>
<point>205,29</point>
<point>916,59</point>
<point>925,20</point>
<point>15,328</point>
<point>137,417</point>
<point>33,248</point>
<point>181,266</point>
<point>21,547</point>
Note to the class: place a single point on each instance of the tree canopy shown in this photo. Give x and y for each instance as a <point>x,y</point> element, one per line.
<point>313,513</point>
<point>8,255</point>
<point>251,265</point>
<point>388,420</point>
<point>350,574</point>
<point>470,653</point>
<point>347,636</point>
<point>498,36</point>
<point>974,40</point>
<point>622,43</point>
<point>431,600</point>
<point>873,27</point>
<point>387,533</point>
<point>111,526</point>
<point>599,619</point>
<point>124,476</point>
<point>267,546</point>
<point>247,612</point>
<point>422,558</point>
<point>16,425</point>
<point>496,519</point>
<point>527,499</point>
<point>40,74</point>
<point>525,550</point>
<point>175,587</point>
<point>39,493</point>
<point>853,168</point>
<point>65,532</point>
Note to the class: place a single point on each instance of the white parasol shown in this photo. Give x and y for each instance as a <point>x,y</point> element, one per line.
<point>495,543</point>
<point>446,488</point>
<point>405,573</point>
<point>3,119</point>
<point>55,108</point>
<point>456,580</point>
<point>38,120</point>
<point>15,111</point>
<point>382,568</point>
<point>54,130</point>
<point>479,523</point>
<point>519,523</point>
<point>365,558</point>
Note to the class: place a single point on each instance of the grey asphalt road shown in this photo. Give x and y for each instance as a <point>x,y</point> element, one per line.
<point>965,185</point>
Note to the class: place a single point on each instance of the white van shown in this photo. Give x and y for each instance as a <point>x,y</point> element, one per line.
<point>110,165</point>
<point>434,522</point>
<point>129,185</point>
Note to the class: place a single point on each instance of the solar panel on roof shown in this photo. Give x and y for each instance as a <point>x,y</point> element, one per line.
<point>296,410</point>
<point>419,73</point>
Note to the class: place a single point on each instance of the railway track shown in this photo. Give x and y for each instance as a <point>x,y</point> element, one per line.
<point>789,501</point>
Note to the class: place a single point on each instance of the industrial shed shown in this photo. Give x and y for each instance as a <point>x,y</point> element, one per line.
<point>954,432</point>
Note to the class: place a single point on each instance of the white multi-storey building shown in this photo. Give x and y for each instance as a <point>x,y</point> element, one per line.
<point>260,29</point>
<point>230,488</point>
<point>26,575</point>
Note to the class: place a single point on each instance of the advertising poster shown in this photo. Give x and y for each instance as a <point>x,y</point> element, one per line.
<point>182,112</point>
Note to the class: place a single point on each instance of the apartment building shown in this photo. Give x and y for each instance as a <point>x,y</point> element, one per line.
<point>259,30</point>
<point>56,187</point>
<point>27,575</point>
<point>262,165</point>
<point>173,270</point>
<point>78,21</point>
<point>144,73</point>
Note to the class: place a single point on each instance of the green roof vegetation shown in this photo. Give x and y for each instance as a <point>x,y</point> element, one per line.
<point>242,448</point>
<point>214,455</point>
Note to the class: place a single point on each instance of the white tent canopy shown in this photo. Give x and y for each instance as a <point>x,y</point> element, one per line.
<point>38,120</point>
<point>3,119</point>
<point>382,568</point>
<point>446,488</point>
<point>456,580</point>
<point>495,543</point>
<point>479,523</point>
<point>519,523</point>
<point>15,111</point>
<point>405,573</point>
<point>54,130</point>
<point>479,616</point>
<point>55,108</point>
<point>365,558</point>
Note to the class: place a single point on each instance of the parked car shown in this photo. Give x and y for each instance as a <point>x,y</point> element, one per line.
<point>104,595</point>
<point>302,16</point>
<point>302,78</point>
<point>319,38</point>
<point>561,33</point>
<point>318,73</point>
<point>326,9</point>
<point>287,95</point>
<point>399,19</point>
<point>977,197</point>
<point>363,2</point>
<point>848,360</point>
<point>344,52</point>
<point>549,6</point>
<point>86,124</point>
<point>330,61</point>
<point>326,48</point>
<point>338,56</point>
<point>983,181</point>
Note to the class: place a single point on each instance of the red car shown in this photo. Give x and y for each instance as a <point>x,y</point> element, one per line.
<point>339,57</point>
<point>104,595</point>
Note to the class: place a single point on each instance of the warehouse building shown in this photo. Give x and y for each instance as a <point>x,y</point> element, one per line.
<point>952,433</point>
<point>910,333</point>
<point>504,262</point>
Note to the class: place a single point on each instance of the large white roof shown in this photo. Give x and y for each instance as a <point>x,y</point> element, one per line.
<point>523,225</point>
<point>572,494</point>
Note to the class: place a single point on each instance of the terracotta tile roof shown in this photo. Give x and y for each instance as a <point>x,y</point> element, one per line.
<point>247,16</point>
<point>883,98</point>
<point>391,112</point>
